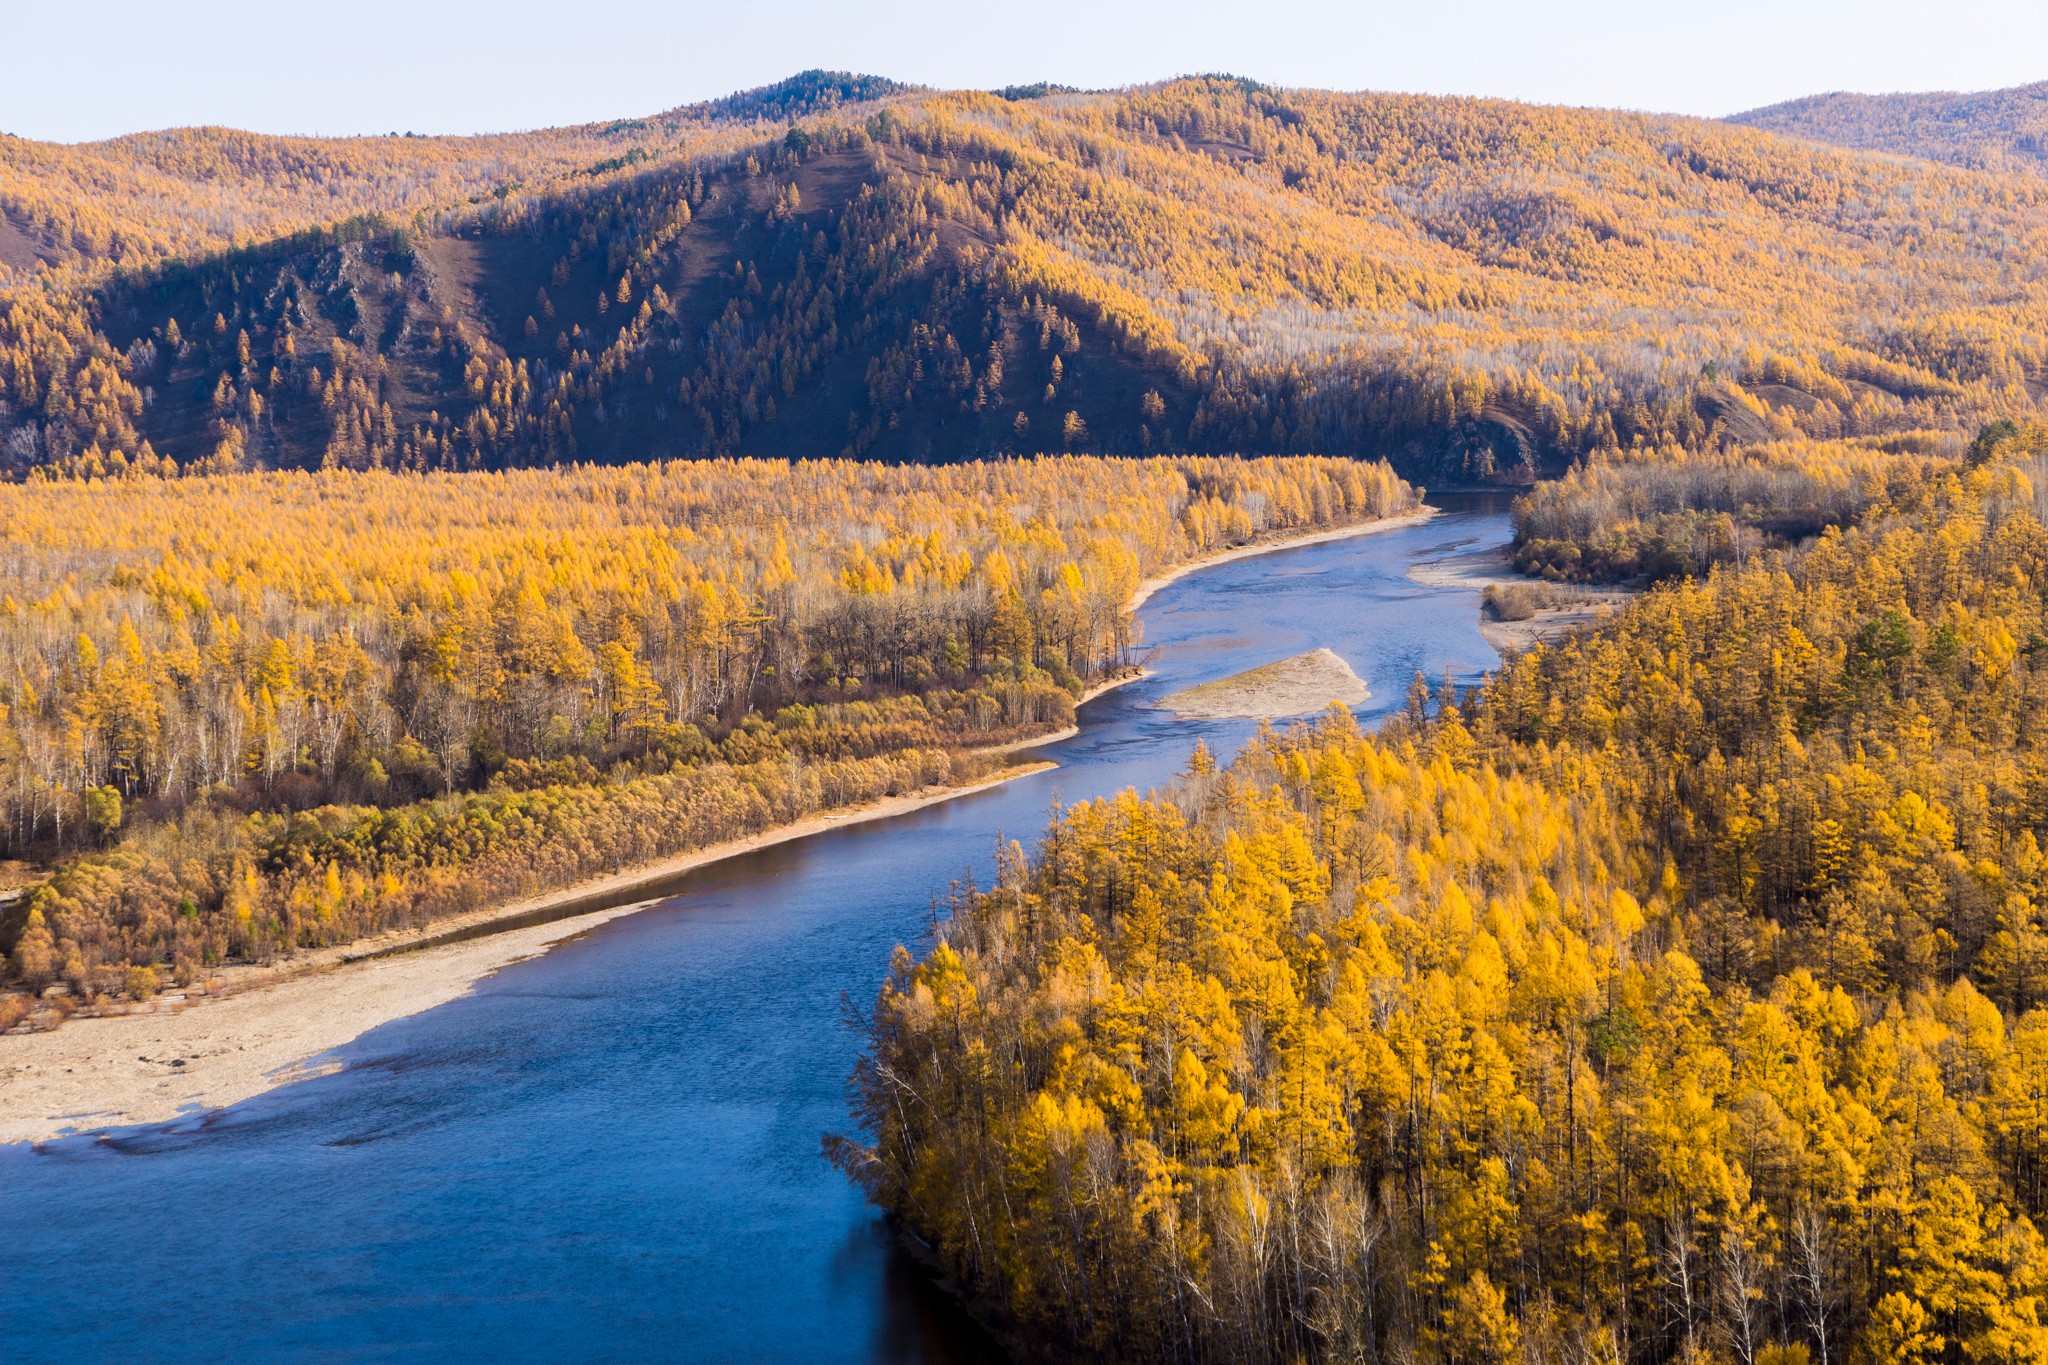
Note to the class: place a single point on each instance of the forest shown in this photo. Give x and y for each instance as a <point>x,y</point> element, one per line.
<point>1476,290</point>
<point>394,526</point>
<point>1677,994</point>
<point>1995,130</point>
<point>242,714</point>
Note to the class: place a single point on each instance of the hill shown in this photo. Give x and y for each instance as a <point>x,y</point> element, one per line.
<point>842,266</point>
<point>1991,130</point>
<point>1675,995</point>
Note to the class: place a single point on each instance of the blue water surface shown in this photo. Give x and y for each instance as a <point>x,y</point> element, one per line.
<point>612,1151</point>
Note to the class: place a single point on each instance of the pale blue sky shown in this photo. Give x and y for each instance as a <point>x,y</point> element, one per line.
<point>81,72</point>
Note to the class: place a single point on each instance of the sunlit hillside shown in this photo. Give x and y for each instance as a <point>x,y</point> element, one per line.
<point>1673,997</point>
<point>837,265</point>
<point>1992,130</point>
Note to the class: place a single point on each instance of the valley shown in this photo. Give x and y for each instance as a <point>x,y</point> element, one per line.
<point>1199,721</point>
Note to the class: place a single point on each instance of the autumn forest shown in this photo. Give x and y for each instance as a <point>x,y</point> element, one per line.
<point>253,713</point>
<point>396,527</point>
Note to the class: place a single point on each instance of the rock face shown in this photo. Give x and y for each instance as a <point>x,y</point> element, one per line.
<point>1300,686</point>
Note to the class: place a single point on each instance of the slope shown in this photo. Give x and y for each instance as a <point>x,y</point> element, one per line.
<point>1993,130</point>
<point>1475,289</point>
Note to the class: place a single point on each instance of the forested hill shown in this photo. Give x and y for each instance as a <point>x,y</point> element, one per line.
<point>840,265</point>
<point>1992,130</point>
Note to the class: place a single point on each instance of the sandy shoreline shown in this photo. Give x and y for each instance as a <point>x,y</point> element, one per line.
<point>118,1070</point>
<point>263,1027</point>
<point>1478,570</point>
<point>1266,547</point>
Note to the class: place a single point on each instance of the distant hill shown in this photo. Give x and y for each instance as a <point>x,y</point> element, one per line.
<point>1988,130</point>
<point>839,264</point>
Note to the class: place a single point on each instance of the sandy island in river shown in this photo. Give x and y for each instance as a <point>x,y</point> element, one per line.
<point>1301,686</point>
<point>261,1027</point>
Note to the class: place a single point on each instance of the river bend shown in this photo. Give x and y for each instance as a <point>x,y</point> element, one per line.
<point>612,1151</point>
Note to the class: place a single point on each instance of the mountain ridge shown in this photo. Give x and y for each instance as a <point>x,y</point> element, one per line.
<point>842,265</point>
<point>2002,130</point>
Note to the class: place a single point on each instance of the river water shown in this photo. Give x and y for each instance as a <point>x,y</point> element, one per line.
<point>612,1151</point>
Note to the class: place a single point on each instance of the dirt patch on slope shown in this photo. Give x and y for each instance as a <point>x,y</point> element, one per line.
<point>19,250</point>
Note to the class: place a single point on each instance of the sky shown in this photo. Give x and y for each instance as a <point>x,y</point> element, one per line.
<point>375,66</point>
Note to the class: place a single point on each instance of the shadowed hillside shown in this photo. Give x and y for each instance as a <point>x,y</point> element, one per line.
<point>840,265</point>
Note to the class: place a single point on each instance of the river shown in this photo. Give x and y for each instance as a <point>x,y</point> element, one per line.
<point>612,1151</point>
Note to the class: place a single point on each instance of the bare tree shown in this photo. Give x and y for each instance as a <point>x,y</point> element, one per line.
<point>1740,1264</point>
<point>1679,1269</point>
<point>1815,1275</point>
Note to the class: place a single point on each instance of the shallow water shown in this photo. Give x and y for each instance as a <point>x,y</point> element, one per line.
<point>612,1151</point>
